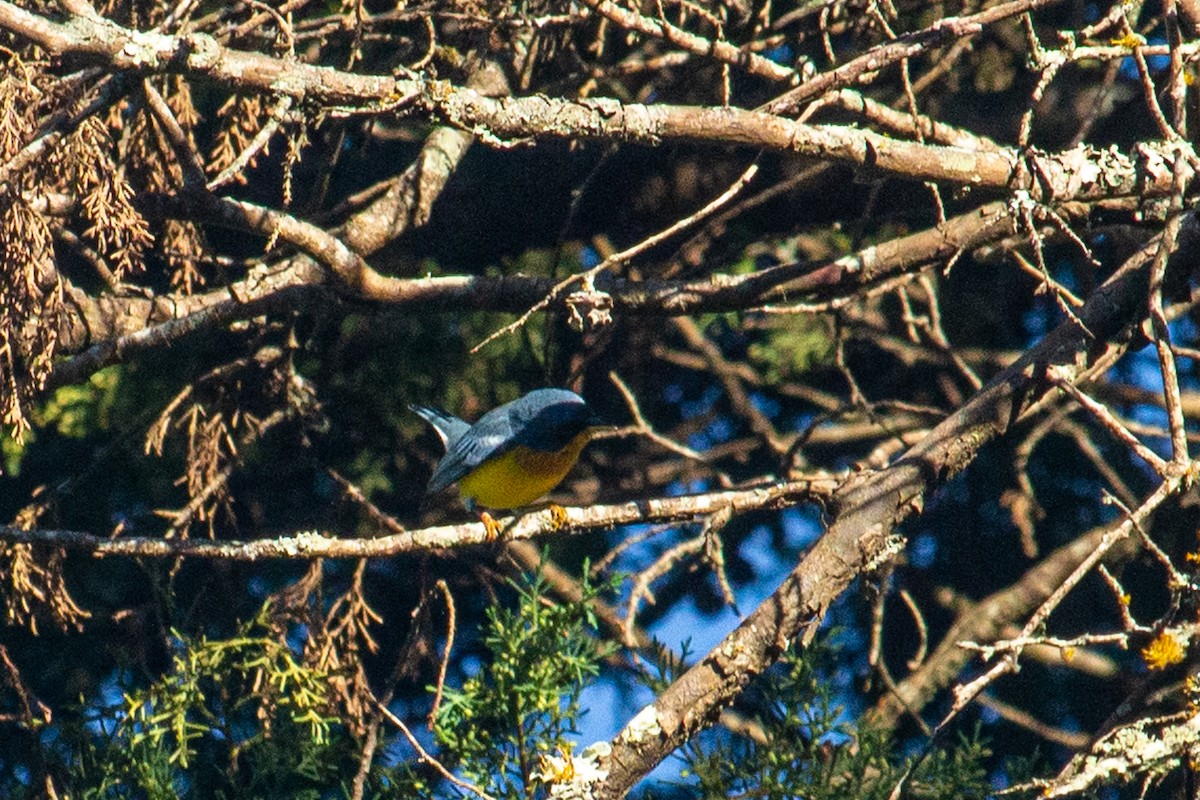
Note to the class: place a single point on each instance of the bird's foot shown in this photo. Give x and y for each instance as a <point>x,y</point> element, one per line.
<point>558,517</point>
<point>490,526</point>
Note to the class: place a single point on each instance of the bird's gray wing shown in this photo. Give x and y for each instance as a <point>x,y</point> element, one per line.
<point>490,436</point>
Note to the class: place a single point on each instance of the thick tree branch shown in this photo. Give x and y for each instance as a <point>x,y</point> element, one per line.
<point>106,318</point>
<point>867,510</point>
<point>104,42</point>
<point>1083,173</point>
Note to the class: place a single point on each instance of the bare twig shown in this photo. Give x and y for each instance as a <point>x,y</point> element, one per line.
<point>910,45</point>
<point>723,51</point>
<point>1110,423</point>
<point>586,279</point>
<point>451,626</point>
<point>233,172</point>
<point>428,759</point>
<point>1158,319</point>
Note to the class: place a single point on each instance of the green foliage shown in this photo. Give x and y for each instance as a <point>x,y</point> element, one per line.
<point>239,717</point>
<point>524,702</point>
<point>11,451</point>
<point>75,411</point>
<point>810,751</point>
<point>176,709</point>
<point>792,349</point>
<point>83,409</point>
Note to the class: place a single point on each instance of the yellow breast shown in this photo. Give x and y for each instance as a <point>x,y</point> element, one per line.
<point>520,476</point>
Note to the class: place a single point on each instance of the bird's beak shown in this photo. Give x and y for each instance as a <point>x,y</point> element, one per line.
<point>598,426</point>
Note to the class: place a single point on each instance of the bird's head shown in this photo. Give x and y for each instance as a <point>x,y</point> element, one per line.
<point>548,419</point>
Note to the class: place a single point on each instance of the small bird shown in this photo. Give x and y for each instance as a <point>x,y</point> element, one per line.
<point>515,453</point>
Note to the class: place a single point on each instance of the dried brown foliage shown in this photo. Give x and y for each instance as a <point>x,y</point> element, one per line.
<point>241,119</point>
<point>32,587</point>
<point>84,170</point>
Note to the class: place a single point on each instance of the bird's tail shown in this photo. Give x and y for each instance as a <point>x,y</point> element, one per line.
<point>449,427</point>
